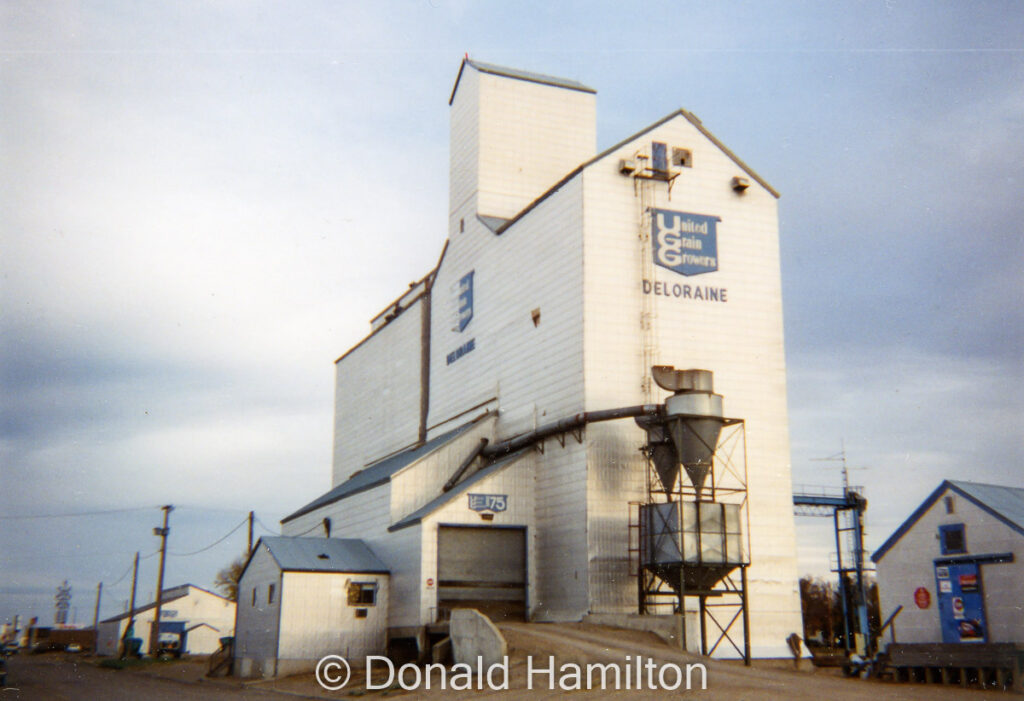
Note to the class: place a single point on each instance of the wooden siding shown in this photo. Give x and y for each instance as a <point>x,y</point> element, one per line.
<point>377,395</point>
<point>740,340</point>
<point>910,564</point>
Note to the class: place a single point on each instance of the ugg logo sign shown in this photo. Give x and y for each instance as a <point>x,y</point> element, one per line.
<point>683,242</point>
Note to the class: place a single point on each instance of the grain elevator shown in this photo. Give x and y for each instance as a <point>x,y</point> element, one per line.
<point>514,427</point>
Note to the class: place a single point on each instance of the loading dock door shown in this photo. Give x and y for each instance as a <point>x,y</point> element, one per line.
<point>482,568</point>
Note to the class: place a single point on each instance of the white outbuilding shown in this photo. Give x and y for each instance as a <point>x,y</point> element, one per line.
<point>303,598</point>
<point>200,617</point>
<point>955,566</point>
<point>566,274</point>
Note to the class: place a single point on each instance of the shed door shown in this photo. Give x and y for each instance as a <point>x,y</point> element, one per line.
<point>482,568</point>
<point>961,603</point>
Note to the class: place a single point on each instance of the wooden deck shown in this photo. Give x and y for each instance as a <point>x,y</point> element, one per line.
<point>982,665</point>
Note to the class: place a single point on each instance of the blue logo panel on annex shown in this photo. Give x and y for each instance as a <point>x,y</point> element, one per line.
<point>684,242</point>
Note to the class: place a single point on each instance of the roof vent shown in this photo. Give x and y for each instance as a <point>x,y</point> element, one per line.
<point>324,556</point>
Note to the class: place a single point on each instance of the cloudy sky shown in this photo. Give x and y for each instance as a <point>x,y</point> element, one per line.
<point>203,203</point>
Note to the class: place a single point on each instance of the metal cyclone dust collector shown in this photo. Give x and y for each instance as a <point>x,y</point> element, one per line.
<point>693,422</point>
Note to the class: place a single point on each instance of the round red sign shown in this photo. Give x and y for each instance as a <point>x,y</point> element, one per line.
<point>922,598</point>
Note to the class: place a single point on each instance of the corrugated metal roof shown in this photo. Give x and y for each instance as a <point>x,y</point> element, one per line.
<point>380,472</point>
<point>431,506</point>
<point>1005,503</point>
<point>171,594</point>
<point>518,75</point>
<point>296,554</point>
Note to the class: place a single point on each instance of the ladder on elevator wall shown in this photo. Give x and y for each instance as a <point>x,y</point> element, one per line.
<point>643,188</point>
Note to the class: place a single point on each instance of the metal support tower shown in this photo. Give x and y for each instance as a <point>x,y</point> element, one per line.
<point>720,589</point>
<point>847,511</point>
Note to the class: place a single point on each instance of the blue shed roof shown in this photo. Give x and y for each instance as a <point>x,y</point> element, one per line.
<point>380,472</point>
<point>1004,503</point>
<point>298,554</point>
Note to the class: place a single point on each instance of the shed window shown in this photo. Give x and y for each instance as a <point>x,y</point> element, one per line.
<point>270,594</point>
<point>950,504</point>
<point>254,596</point>
<point>953,539</point>
<point>362,593</point>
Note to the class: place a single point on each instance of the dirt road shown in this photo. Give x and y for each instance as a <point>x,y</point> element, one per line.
<point>63,678</point>
<point>531,646</point>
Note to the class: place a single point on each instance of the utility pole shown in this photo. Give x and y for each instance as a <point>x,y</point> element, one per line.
<point>251,517</point>
<point>129,630</point>
<point>154,633</point>
<point>96,615</point>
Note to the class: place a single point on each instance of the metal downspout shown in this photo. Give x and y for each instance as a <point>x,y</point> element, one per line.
<point>567,424</point>
<point>465,465</point>
<point>425,301</point>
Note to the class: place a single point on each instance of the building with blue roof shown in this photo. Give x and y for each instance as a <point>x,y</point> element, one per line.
<point>955,566</point>
<point>300,599</point>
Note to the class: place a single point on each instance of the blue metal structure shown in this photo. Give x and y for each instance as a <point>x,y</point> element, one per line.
<point>847,511</point>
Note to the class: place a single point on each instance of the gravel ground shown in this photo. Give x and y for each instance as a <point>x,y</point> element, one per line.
<point>60,676</point>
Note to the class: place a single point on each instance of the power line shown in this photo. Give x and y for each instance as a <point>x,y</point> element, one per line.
<point>318,525</point>
<point>77,514</point>
<point>111,586</point>
<point>264,526</point>
<point>216,542</point>
<point>52,556</point>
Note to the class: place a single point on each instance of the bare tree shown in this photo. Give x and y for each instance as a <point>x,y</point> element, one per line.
<point>227,579</point>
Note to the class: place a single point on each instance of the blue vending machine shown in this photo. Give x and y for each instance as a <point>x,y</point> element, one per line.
<point>961,603</point>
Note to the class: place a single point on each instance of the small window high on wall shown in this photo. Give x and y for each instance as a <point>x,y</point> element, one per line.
<point>953,539</point>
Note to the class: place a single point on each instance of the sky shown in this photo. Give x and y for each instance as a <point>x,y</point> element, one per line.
<point>203,203</point>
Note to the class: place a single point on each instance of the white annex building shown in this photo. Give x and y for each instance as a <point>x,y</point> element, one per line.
<point>199,616</point>
<point>955,566</point>
<point>303,598</point>
<point>566,275</point>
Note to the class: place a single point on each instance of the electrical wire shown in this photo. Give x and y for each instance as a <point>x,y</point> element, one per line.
<point>121,578</point>
<point>216,542</point>
<point>318,525</point>
<point>141,558</point>
<point>264,526</point>
<point>80,513</point>
<point>51,556</point>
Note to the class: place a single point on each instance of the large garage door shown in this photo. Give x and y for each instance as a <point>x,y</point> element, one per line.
<point>482,568</point>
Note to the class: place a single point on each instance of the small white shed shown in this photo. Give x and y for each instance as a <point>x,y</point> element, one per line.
<point>300,599</point>
<point>955,567</point>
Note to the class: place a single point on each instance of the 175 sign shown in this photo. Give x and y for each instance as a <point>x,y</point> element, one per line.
<point>494,503</point>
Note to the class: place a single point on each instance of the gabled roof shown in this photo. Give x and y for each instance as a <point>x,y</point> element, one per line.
<point>446,497</point>
<point>380,472</point>
<point>304,554</point>
<point>689,116</point>
<point>1004,503</point>
<point>517,75</point>
<point>169,595</point>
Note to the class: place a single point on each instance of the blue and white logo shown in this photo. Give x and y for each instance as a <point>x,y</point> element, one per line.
<point>683,242</point>
<point>464,302</point>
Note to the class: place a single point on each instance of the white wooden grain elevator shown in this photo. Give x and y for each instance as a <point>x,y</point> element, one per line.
<point>566,275</point>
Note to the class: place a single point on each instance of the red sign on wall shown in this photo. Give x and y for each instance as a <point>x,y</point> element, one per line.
<point>922,598</point>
